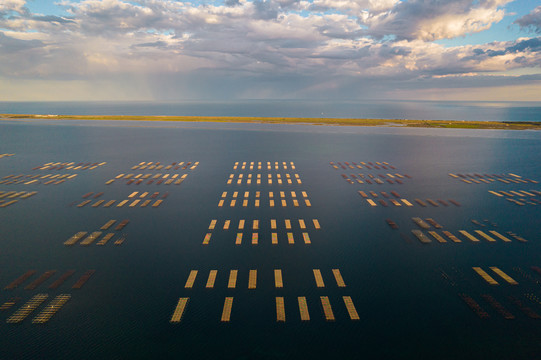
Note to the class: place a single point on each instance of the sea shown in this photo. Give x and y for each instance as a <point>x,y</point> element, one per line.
<point>408,297</point>
<point>378,109</point>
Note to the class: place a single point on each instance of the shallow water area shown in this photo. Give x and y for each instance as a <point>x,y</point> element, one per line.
<point>406,293</point>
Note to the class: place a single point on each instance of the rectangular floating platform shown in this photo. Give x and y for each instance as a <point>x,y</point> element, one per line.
<point>338,277</point>
<point>179,310</point>
<point>122,203</point>
<point>280,309</point>
<point>290,238</point>
<point>9,203</point>
<point>353,315</point>
<point>485,236</point>
<point>73,240</point>
<point>91,238</point>
<point>500,236</point>
<point>252,279</point>
<point>278,278</point>
<point>303,308</point>
<point>422,237</point>
<point>454,202</point>
<point>9,303</point>
<point>27,308</point>
<point>306,238</point>
<point>83,279</point>
<point>61,279</point>
<point>226,224</point>
<point>437,236</point>
<point>84,203</point>
<point>274,237</point>
<point>212,224</point>
<point>206,240</point>
<point>489,279</point>
<point>105,239</point>
<point>109,203</point>
<point>432,202</point>
<point>371,202</point>
<point>451,236</point>
<point>44,277</point>
<point>421,223</point>
<point>241,224</point>
<point>157,203</point>
<point>20,280</point>
<point>191,279</point>
<point>469,236</point>
<point>406,202</point>
<point>504,276</point>
<point>433,223</point>
<point>52,308</point>
<point>232,283</point>
<point>212,279</point>
<point>273,224</point>
<point>238,240</point>
<point>394,202</point>
<point>287,223</point>
<point>98,203</point>
<point>135,202</point>
<point>318,278</point>
<point>327,309</point>
<point>308,203</point>
<point>255,238</point>
<point>420,202</point>
<point>226,313</point>
<point>122,224</point>
<point>316,224</point>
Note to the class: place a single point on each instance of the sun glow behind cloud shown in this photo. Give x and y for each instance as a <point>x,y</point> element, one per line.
<point>343,49</point>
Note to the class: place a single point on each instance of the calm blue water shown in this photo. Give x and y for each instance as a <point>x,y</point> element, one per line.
<point>407,310</point>
<point>423,110</point>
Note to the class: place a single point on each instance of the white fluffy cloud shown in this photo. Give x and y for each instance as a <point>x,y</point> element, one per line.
<point>431,20</point>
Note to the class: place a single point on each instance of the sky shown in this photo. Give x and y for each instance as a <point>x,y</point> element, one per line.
<point>168,50</point>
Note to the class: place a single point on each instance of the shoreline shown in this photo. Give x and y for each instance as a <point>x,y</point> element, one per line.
<point>442,124</point>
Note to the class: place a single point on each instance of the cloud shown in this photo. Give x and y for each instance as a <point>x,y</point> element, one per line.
<point>279,47</point>
<point>17,6</point>
<point>531,21</point>
<point>52,19</point>
<point>13,45</point>
<point>430,20</point>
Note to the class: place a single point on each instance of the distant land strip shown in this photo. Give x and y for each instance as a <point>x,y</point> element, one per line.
<point>451,124</point>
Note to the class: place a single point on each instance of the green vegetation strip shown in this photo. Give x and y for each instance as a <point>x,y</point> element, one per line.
<point>506,125</point>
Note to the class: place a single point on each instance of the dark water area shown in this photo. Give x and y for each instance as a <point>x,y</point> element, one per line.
<point>418,110</point>
<point>408,308</point>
